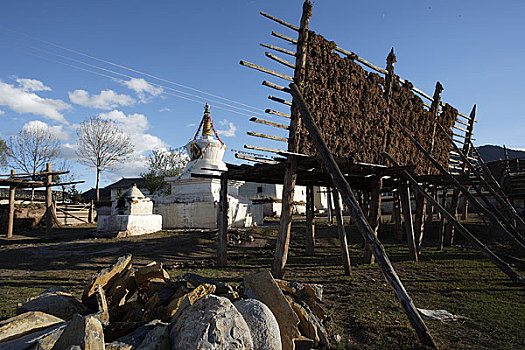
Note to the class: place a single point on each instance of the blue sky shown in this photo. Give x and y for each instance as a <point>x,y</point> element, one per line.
<point>474,48</point>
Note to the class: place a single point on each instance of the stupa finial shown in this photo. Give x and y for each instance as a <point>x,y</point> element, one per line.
<point>206,125</point>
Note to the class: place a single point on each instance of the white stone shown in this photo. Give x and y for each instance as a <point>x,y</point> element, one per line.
<point>212,322</point>
<point>262,323</point>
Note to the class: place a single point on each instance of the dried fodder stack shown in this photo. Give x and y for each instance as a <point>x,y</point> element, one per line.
<point>349,108</point>
<point>128,307</point>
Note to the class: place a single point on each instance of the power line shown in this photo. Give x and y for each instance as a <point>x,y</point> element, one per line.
<point>114,78</point>
<point>124,67</point>
<point>131,77</point>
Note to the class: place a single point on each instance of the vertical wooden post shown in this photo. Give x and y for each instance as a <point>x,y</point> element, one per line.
<point>396,215</point>
<point>49,199</point>
<point>290,175</point>
<point>329,197</point>
<point>374,215</point>
<point>310,226</point>
<point>409,228</point>
<point>449,228</point>
<point>441,236</point>
<point>11,215</point>
<point>222,222</point>
<point>345,255</point>
<point>90,212</point>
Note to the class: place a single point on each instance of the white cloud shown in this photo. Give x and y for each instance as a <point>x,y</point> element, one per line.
<point>230,132</point>
<point>32,85</point>
<point>22,101</point>
<point>1,112</point>
<point>132,123</point>
<point>165,110</point>
<point>107,99</point>
<point>143,89</point>
<point>56,130</point>
<point>191,125</point>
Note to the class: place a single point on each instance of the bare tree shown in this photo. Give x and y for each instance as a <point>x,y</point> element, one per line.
<point>102,144</point>
<point>33,147</point>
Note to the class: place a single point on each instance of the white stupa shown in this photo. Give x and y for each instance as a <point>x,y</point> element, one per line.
<point>193,201</point>
<point>131,215</point>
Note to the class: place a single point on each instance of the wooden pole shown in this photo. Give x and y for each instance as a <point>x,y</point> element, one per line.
<point>345,255</point>
<point>329,197</point>
<point>222,240</point>
<point>374,215</point>
<point>90,212</point>
<point>310,225</point>
<point>495,221</point>
<point>362,223</point>
<point>290,174</point>
<point>11,215</point>
<point>396,215</point>
<point>441,235</point>
<point>409,227</point>
<point>49,200</point>
<point>466,233</point>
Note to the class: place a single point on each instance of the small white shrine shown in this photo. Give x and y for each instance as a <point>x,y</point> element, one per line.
<point>131,215</point>
<point>193,201</point>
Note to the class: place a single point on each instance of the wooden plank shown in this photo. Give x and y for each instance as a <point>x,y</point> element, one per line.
<point>271,137</point>
<point>281,114</point>
<point>345,255</point>
<point>310,225</point>
<point>280,21</point>
<point>280,60</point>
<point>503,266</point>
<point>73,216</point>
<point>265,70</point>
<point>275,86</point>
<point>276,151</point>
<point>362,223</point>
<point>270,123</point>
<point>280,100</point>
<point>255,159</point>
<point>222,238</point>
<point>278,49</point>
<point>284,37</point>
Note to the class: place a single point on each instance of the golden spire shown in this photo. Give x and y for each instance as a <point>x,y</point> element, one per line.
<point>206,125</point>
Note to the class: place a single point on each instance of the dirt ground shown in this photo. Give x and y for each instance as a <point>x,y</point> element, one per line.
<point>363,308</point>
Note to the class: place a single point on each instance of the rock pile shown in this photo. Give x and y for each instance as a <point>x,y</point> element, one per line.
<point>126,308</point>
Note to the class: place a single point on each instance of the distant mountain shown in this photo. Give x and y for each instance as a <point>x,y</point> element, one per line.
<point>492,152</point>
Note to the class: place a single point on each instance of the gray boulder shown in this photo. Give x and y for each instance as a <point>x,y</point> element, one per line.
<point>55,301</point>
<point>212,322</point>
<point>262,323</point>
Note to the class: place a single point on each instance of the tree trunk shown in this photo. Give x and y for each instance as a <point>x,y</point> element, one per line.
<point>98,180</point>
